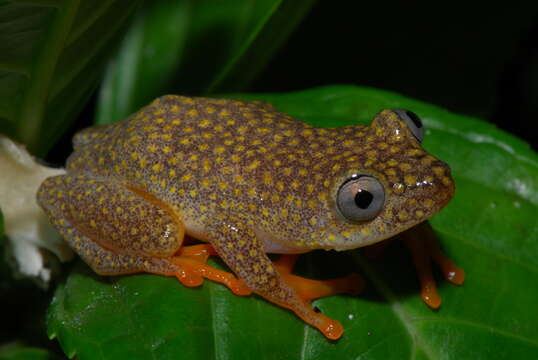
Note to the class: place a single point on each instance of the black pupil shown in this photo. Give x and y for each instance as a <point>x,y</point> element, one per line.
<point>414,117</point>
<point>363,199</point>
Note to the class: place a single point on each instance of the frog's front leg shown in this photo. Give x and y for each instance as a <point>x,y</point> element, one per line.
<point>424,248</point>
<point>245,254</point>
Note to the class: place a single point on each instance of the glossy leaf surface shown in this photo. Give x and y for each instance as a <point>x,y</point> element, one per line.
<point>52,54</point>
<point>194,47</point>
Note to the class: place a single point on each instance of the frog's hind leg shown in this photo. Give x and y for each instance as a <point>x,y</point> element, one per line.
<point>116,230</point>
<point>424,248</point>
<point>310,289</point>
<point>108,263</point>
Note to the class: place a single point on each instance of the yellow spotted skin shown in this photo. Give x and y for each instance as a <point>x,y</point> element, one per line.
<point>240,175</point>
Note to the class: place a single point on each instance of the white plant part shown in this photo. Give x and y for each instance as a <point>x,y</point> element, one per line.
<point>31,238</point>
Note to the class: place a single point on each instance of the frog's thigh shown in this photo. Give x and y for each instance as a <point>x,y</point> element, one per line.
<point>120,219</point>
<point>101,234</point>
<point>108,262</point>
<point>245,255</point>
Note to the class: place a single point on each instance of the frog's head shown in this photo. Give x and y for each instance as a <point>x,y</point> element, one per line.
<point>390,184</point>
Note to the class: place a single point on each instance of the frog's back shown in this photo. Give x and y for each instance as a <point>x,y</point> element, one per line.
<point>172,113</point>
<point>171,130</point>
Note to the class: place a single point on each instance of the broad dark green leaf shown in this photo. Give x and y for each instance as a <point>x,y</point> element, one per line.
<point>194,46</point>
<point>52,54</point>
<point>489,229</point>
<point>21,352</point>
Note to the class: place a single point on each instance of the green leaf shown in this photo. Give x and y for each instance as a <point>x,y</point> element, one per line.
<point>21,352</point>
<point>202,45</point>
<point>489,229</point>
<point>52,53</point>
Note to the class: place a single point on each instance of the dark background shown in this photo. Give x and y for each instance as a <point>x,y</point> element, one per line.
<point>479,58</point>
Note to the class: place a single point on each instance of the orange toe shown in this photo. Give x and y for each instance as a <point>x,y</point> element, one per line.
<point>332,329</point>
<point>455,275</point>
<point>430,296</point>
<point>450,271</point>
<point>189,278</point>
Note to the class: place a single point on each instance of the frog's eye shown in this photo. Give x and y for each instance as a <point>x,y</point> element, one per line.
<point>360,198</point>
<point>413,121</point>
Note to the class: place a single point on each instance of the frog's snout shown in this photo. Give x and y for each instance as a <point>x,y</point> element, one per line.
<point>429,190</point>
<point>442,184</point>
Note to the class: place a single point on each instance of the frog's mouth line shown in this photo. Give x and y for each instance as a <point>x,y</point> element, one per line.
<point>357,241</point>
<point>370,240</point>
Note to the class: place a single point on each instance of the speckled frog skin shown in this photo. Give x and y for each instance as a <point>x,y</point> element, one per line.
<point>242,177</point>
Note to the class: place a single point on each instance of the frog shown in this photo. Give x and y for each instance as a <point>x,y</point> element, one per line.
<point>186,178</point>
